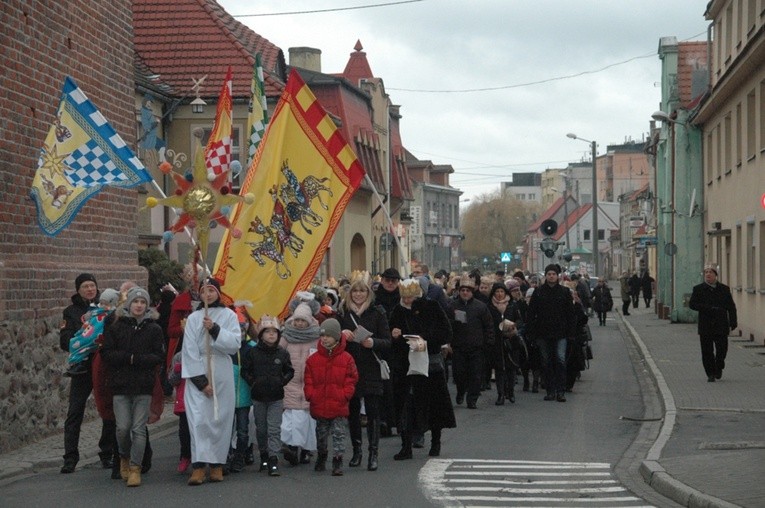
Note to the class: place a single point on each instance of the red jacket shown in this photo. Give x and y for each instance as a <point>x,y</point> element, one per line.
<point>330,381</point>
<point>179,310</point>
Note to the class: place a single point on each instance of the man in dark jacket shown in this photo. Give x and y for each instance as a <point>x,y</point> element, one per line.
<point>551,322</point>
<point>717,318</point>
<point>80,386</point>
<point>386,294</point>
<point>473,333</point>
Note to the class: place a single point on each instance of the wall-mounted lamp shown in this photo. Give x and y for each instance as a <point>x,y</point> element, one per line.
<point>198,105</point>
<point>661,116</point>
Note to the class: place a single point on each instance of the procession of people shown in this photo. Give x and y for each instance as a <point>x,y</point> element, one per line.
<point>360,352</point>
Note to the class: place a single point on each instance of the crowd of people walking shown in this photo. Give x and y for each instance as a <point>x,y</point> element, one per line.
<point>363,352</point>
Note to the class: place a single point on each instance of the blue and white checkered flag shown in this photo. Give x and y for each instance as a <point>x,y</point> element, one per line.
<point>82,153</point>
<point>88,165</point>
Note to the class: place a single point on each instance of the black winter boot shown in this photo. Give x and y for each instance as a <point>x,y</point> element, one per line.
<point>356,458</point>
<point>337,465</point>
<point>435,443</point>
<point>525,380</point>
<point>535,381</point>
<point>372,464</point>
<point>249,456</point>
<point>305,457</point>
<point>237,462</point>
<point>406,449</point>
<point>373,434</point>
<point>321,462</point>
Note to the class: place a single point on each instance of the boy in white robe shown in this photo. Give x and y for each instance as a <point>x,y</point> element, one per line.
<point>211,335</point>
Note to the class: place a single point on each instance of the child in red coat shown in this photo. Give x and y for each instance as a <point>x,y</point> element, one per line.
<point>330,381</point>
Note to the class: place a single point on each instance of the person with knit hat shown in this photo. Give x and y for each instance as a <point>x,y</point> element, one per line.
<point>300,337</point>
<point>717,318</point>
<point>133,349</point>
<point>330,382</point>
<point>84,300</point>
<point>422,402</point>
<point>85,342</point>
<point>267,368</point>
<point>210,337</point>
<point>551,322</point>
<point>473,333</point>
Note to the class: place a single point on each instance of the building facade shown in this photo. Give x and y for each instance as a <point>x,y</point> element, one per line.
<point>732,117</point>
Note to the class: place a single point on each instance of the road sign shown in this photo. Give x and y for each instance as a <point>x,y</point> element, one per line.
<point>506,257</point>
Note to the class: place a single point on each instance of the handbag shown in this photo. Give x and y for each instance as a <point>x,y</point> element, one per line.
<point>384,368</point>
<point>436,363</point>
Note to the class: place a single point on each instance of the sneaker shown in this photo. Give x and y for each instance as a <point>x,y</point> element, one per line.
<point>184,464</point>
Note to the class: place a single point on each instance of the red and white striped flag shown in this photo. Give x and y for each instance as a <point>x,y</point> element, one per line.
<point>218,150</point>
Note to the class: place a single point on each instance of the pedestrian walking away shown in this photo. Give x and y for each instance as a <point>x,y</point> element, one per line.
<point>717,318</point>
<point>551,322</point>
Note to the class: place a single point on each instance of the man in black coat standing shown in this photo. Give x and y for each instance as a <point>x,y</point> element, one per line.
<point>81,386</point>
<point>473,333</point>
<point>551,322</point>
<point>717,318</point>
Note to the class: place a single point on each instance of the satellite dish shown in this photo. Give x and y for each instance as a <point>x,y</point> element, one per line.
<point>548,227</point>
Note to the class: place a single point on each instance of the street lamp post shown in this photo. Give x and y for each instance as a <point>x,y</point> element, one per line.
<point>595,252</point>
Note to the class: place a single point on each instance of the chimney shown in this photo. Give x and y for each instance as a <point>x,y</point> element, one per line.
<point>306,58</point>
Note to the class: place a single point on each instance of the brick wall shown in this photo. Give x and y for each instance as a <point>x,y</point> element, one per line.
<point>42,42</point>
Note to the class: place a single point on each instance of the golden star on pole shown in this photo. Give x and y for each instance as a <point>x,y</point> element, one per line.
<point>201,200</point>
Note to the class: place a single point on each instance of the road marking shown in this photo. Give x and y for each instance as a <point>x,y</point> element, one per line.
<point>468,483</point>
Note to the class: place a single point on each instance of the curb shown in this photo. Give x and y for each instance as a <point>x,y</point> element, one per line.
<point>12,470</point>
<point>651,470</point>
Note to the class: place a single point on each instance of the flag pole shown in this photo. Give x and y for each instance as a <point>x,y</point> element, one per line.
<point>387,217</point>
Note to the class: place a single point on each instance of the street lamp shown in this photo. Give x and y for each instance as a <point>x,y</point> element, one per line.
<point>595,252</point>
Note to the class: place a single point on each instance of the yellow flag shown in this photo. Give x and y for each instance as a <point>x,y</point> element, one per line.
<point>303,176</point>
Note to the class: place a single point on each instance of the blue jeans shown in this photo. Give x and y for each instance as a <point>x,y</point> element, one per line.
<point>553,353</point>
<point>132,414</point>
<point>242,420</point>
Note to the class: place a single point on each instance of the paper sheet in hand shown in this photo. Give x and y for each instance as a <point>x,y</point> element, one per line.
<point>460,316</point>
<point>360,334</point>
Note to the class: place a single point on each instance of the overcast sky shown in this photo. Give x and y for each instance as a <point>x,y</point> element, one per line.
<point>441,47</point>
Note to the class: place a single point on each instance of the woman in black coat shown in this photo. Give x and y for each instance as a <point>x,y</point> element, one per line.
<point>602,301</point>
<point>358,310</point>
<point>500,307</point>
<point>634,284</point>
<point>646,283</point>
<point>425,402</point>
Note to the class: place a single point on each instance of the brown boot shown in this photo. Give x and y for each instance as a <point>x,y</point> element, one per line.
<point>134,476</point>
<point>124,468</point>
<point>216,474</point>
<point>197,476</point>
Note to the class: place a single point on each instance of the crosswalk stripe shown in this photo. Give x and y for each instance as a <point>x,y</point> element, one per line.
<point>468,483</point>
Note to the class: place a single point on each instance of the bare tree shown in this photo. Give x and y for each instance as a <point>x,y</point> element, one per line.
<point>494,223</point>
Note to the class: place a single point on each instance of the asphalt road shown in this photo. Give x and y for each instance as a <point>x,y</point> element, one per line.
<point>559,454</point>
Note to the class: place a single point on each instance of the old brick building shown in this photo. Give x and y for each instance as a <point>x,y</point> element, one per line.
<point>42,43</point>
